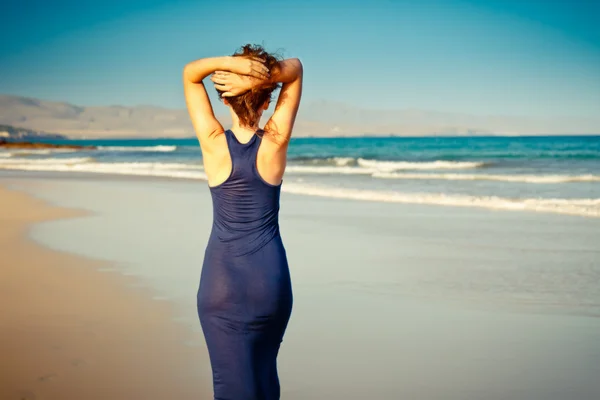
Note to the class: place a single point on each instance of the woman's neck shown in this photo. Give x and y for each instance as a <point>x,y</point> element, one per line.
<point>237,128</point>
<point>243,133</point>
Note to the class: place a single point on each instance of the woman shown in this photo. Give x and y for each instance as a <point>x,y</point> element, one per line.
<point>245,294</point>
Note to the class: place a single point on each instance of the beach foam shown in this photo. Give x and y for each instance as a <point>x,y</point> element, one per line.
<point>360,166</point>
<point>343,161</point>
<point>490,177</point>
<point>44,161</point>
<point>25,152</point>
<point>173,170</point>
<point>389,166</point>
<point>66,164</point>
<point>583,207</point>
<point>159,148</point>
<point>328,170</point>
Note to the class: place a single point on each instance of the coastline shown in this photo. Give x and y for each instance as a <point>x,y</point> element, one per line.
<point>70,331</point>
<point>488,304</point>
<point>545,175</point>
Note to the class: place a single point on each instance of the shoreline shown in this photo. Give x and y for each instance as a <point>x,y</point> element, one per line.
<point>430,292</point>
<point>457,202</point>
<point>71,330</point>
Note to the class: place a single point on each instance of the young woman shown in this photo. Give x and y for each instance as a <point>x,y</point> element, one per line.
<point>245,294</point>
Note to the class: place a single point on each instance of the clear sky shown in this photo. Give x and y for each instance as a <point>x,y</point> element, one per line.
<point>501,57</point>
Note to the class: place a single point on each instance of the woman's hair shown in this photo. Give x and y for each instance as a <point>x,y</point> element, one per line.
<point>247,105</point>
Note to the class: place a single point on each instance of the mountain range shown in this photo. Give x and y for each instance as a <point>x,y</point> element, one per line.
<point>315,119</point>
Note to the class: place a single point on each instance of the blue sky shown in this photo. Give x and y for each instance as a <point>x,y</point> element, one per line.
<point>511,57</point>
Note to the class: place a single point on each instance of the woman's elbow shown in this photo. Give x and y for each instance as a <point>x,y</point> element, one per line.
<point>298,67</point>
<point>187,72</point>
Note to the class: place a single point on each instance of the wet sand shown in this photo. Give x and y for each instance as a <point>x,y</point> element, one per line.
<point>70,331</point>
<point>390,301</point>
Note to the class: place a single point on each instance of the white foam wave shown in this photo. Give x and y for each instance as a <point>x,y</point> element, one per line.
<point>390,166</point>
<point>582,207</point>
<point>172,170</point>
<point>309,169</point>
<point>40,151</point>
<point>159,148</point>
<point>5,154</point>
<point>382,169</point>
<point>343,161</point>
<point>488,177</point>
<point>44,161</point>
<point>541,179</point>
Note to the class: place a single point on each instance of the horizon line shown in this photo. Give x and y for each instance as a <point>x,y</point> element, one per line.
<point>466,113</point>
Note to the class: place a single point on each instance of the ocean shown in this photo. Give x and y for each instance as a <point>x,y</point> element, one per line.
<point>391,301</point>
<point>538,174</point>
<point>455,273</point>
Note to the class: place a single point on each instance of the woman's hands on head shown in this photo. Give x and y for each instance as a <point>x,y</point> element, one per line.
<point>232,84</point>
<point>243,74</point>
<point>251,66</point>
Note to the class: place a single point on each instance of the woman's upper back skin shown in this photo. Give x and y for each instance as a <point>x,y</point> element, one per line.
<point>270,159</point>
<point>271,155</point>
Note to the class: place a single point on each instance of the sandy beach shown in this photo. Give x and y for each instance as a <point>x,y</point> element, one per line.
<point>70,331</point>
<point>392,301</point>
<point>423,175</point>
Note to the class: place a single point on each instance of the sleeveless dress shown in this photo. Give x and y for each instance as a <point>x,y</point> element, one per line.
<point>245,293</point>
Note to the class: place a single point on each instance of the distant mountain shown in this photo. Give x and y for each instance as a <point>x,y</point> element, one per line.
<point>318,119</point>
<point>8,132</point>
<point>77,121</point>
<point>422,122</point>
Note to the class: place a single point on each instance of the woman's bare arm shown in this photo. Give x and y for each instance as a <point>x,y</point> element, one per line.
<point>289,72</point>
<point>272,155</point>
<point>198,103</point>
<point>280,125</point>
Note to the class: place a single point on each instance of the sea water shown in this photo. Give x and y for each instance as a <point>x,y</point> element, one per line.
<point>392,300</point>
<point>547,174</point>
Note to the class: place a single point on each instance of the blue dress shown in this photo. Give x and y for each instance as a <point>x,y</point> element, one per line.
<point>245,294</point>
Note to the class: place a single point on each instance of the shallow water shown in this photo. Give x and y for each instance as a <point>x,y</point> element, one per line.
<point>391,301</point>
<point>558,174</point>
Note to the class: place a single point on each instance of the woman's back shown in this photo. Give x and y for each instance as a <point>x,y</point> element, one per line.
<point>245,206</point>
<point>245,292</point>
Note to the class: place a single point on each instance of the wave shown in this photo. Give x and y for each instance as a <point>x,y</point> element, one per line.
<point>384,165</point>
<point>390,166</point>
<point>328,170</point>
<point>360,166</point>
<point>323,161</point>
<point>159,148</point>
<point>44,161</point>
<point>172,170</point>
<point>582,207</point>
<point>7,161</point>
<point>343,161</point>
<point>488,177</point>
<point>25,152</point>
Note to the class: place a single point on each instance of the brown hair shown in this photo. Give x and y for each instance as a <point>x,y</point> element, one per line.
<point>247,105</point>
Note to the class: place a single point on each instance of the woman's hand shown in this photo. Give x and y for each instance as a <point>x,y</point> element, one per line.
<point>233,84</point>
<point>250,66</point>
